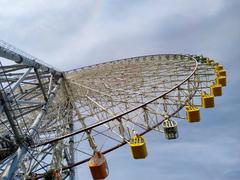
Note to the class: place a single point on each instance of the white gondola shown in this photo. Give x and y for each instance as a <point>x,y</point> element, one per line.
<point>170,129</point>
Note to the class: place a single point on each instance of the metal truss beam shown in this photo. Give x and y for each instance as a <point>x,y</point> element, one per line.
<point>23,92</point>
<point>10,52</point>
<point>23,149</point>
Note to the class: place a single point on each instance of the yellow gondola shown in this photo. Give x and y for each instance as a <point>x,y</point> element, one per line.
<point>216,89</point>
<point>222,80</point>
<point>138,147</point>
<point>222,73</point>
<point>207,100</point>
<point>192,114</point>
<point>218,68</point>
<point>210,62</point>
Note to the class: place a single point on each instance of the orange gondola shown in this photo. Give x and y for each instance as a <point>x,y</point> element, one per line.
<point>98,166</point>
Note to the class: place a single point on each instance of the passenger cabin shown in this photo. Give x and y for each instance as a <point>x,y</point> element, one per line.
<point>170,129</point>
<point>138,147</point>
<point>192,114</point>
<point>222,80</point>
<point>222,73</point>
<point>210,62</point>
<point>218,68</point>
<point>98,166</point>
<point>216,89</point>
<point>207,100</point>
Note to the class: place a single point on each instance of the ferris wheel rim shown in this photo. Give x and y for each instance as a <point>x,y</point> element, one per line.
<point>126,112</point>
<point>124,59</point>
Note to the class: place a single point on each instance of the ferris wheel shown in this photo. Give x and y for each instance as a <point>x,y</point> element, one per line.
<point>52,121</point>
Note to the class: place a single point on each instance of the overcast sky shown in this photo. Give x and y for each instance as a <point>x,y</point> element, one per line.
<point>72,33</point>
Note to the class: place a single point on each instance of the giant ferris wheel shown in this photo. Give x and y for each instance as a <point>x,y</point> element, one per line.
<point>53,121</point>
